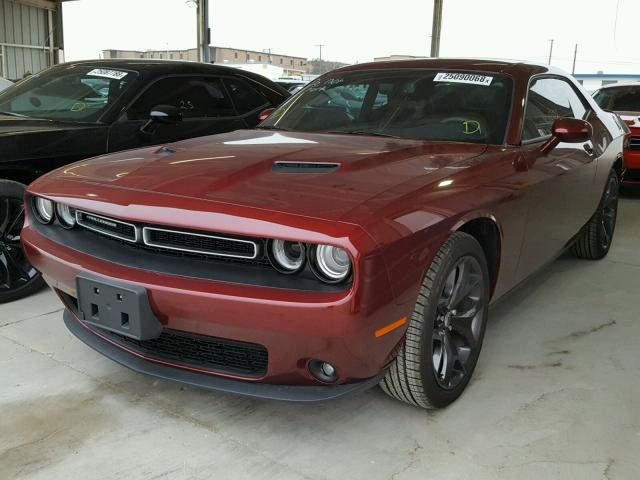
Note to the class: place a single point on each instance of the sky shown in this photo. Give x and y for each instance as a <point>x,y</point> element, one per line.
<point>359,30</point>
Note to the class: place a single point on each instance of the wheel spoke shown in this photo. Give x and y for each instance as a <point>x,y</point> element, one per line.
<point>15,225</point>
<point>448,361</point>
<point>467,281</point>
<point>463,326</point>
<point>5,211</point>
<point>14,270</point>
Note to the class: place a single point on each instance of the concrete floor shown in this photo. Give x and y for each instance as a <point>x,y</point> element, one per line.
<point>556,395</point>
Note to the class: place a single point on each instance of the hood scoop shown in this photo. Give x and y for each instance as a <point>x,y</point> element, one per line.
<point>304,167</point>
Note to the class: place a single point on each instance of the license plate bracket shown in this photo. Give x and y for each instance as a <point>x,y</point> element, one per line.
<point>116,306</point>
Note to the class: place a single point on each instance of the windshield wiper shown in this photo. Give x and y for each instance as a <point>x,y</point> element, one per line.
<point>13,114</point>
<point>364,132</point>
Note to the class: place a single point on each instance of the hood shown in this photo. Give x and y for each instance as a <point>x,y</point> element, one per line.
<point>24,138</point>
<point>10,125</point>
<point>316,175</point>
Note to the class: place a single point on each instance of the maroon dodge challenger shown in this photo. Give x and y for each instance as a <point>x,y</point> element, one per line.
<point>357,237</point>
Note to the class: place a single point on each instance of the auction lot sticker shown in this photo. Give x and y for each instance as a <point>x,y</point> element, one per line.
<point>106,73</point>
<point>472,78</point>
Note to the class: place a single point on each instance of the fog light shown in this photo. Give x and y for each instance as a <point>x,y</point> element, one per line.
<point>323,371</point>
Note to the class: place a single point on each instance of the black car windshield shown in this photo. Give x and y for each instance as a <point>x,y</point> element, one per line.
<point>619,99</point>
<point>77,94</point>
<point>414,104</point>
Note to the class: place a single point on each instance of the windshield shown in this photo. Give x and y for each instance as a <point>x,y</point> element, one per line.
<point>415,104</point>
<point>79,94</point>
<point>619,99</point>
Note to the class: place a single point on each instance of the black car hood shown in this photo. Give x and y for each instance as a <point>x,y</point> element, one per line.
<point>34,146</point>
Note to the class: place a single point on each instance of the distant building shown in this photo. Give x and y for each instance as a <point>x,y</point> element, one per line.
<point>593,81</point>
<point>290,65</point>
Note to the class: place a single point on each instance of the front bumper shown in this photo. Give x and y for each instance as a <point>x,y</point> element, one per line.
<point>248,389</point>
<point>294,326</point>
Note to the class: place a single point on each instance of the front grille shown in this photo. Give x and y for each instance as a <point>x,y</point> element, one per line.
<point>208,353</point>
<point>204,245</point>
<point>187,349</point>
<point>634,143</point>
<point>107,226</point>
<point>199,243</point>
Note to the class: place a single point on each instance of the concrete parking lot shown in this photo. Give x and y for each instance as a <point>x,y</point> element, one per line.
<point>555,395</point>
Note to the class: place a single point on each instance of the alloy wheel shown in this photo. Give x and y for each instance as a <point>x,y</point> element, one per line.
<point>15,270</point>
<point>458,323</point>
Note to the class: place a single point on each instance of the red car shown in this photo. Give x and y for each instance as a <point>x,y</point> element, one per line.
<point>357,237</point>
<point>624,99</point>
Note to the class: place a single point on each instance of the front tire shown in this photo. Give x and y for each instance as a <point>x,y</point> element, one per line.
<point>18,278</point>
<point>445,333</point>
<point>594,241</point>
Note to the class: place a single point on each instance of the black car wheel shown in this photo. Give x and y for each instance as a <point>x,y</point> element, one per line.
<point>446,330</point>
<point>18,278</point>
<point>594,241</point>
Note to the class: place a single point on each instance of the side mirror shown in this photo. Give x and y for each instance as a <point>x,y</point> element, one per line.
<point>568,130</point>
<point>265,114</point>
<point>167,114</point>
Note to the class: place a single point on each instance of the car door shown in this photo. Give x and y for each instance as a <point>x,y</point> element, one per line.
<point>203,101</point>
<point>559,194</point>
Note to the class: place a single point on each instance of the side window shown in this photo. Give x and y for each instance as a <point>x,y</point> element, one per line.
<point>245,98</point>
<point>196,97</point>
<point>548,100</point>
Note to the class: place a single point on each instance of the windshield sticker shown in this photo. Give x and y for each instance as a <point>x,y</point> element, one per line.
<point>471,127</point>
<point>471,78</point>
<point>106,73</point>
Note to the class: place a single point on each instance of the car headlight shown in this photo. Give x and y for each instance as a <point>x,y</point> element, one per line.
<point>44,209</point>
<point>331,263</point>
<point>286,256</point>
<point>66,215</point>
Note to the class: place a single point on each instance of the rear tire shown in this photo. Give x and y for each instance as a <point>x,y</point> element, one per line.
<point>445,333</point>
<point>594,241</point>
<point>18,278</point>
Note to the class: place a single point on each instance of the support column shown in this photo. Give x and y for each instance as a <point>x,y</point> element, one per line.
<point>436,29</point>
<point>203,31</point>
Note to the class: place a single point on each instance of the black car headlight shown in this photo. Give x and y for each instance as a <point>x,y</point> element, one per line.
<point>331,264</point>
<point>286,256</point>
<point>44,209</point>
<point>66,215</point>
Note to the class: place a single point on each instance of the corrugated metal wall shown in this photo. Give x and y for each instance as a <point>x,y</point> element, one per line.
<point>24,37</point>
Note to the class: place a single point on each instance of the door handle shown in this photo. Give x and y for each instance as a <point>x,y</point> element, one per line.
<point>588,147</point>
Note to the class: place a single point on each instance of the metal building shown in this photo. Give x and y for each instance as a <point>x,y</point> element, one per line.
<point>30,36</point>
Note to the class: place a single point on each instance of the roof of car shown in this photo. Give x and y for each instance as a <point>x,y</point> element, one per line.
<point>161,67</point>
<point>513,67</point>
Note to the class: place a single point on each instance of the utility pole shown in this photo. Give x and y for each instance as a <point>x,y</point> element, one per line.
<point>550,50</point>
<point>268,50</point>
<point>436,29</point>
<point>575,55</point>
<point>204,34</point>
<point>320,45</point>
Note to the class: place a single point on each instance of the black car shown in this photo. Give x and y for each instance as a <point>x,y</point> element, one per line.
<point>83,109</point>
